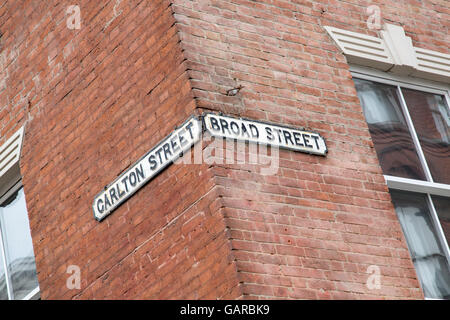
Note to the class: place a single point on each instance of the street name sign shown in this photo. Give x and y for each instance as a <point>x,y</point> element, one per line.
<point>146,168</point>
<point>265,133</point>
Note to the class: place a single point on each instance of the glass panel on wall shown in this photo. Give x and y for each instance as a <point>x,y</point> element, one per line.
<point>431,118</point>
<point>3,287</point>
<point>423,243</point>
<point>18,245</point>
<point>442,206</point>
<point>390,134</point>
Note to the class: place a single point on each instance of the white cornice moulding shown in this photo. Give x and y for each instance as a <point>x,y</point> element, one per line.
<point>10,151</point>
<point>401,49</point>
<point>393,52</point>
<point>9,161</point>
<point>362,49</point>
<point>432,62</point>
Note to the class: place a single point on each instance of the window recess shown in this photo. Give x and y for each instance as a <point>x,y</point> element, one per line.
<point>409,122</point>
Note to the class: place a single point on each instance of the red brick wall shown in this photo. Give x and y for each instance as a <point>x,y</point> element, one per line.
<point>312,230</point>
<point>94,100</point>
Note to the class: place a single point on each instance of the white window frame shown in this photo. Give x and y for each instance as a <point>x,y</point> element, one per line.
<point>10,182</point>
<point>33,294</point>
<point>428,187</point>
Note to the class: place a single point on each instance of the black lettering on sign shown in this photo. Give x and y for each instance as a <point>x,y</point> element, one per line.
<point>107,202</point>
<point>166,149</point>
<point>254,130</point>
<point>306,140</point>
<point>140,173</point>
<point>100,205</point>
<point>124,181</point>
<point>297,137</point>
<point>148,166</point>
<point>270,136</point>
<point>133,179</point>
<point>153,163</point>
<point>183,140</point>
<point>214,124</point>
<point>287,136</point>
<point>315,140</point>
<point>112,194</point>
<point>224,125</point>
<point>278,134</point>
<point>174,144</point>
<point>234,128</point>
<point>120,192</point>
<point>158,152</point>
<point>245,130</point>
<point>188,126</point>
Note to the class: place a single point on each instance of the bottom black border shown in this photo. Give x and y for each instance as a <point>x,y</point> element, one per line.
<point>277,309</point>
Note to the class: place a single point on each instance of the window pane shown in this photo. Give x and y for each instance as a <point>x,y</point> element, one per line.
<point>431,119</point>
<point>426,250</point>
<point>442,206</point>
<point>3,288</point>
<point>18,245</point>
<point>390,134</point>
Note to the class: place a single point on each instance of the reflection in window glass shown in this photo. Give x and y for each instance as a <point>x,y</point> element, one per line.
<point>431,118</point>
<point>3,288</point>
<point>18,245</point>
<point>423,243</point>
<point>442,206</point>
<point>393,143</point>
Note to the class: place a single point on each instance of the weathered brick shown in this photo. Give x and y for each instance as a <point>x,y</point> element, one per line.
<point>95,100</point>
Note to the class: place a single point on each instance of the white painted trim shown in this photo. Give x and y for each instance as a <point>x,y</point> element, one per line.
<point>10,151</point>
<point>447,99</point>
<point>433,62</point>
<point>392,52</point>
<point>409,83</point>
<point>362,49</point>
<point>14,188</point>
<point>438,227</point>
<point>401,49</point>
<point>403,81</point>
<point>427,188</point>
<point>35,291</point>
<point>413,185</point>
<point>32,295</point>
<point>10,182</point>
<point>5,266</point>
<point>3,198</point>
<point>414,136</point>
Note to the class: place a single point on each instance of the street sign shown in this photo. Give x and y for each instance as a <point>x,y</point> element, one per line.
<point>265,133</point>
<point>146,168</point>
